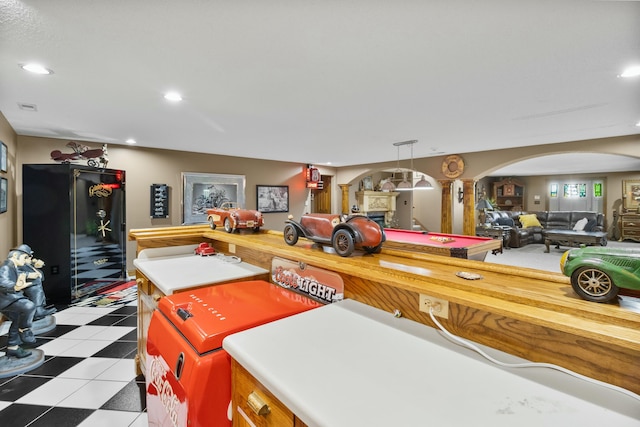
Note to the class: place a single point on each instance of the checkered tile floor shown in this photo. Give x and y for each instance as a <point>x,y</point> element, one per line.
<point>88,377</point>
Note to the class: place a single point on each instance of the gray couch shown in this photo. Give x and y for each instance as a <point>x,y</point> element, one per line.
<point>549,220</point>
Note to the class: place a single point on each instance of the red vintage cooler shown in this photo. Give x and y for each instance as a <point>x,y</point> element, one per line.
<point>188,376</point>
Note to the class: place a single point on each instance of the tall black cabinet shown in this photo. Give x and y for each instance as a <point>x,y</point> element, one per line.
<point>74,220</point>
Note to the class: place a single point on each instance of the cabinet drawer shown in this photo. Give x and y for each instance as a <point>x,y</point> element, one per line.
<point>143,283</point>
<point>631,231</point>
<point>249,396</point>
<point>631,224</point>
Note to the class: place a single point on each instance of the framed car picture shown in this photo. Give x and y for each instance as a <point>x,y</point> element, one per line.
<point>272,198</point>
<point>202,191</point>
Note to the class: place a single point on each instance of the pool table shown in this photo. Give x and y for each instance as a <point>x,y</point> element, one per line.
<point>451,245</point>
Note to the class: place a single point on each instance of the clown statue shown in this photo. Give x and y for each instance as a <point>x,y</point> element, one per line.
<point>35,291</point>
<point>15,304</point>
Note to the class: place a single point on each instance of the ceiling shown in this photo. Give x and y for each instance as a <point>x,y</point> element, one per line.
<point>324,81</point>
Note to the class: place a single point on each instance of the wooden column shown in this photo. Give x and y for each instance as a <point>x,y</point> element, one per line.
<point>446,224</point>
<point>469,214</point>
<point>345,198</point>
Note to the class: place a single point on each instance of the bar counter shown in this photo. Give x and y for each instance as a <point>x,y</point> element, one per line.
<point>528,313</point>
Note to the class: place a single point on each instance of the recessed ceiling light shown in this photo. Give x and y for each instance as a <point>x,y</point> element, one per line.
<point>35,68</point>
<point>638,124</point>
<point>173,96</point>
<point>633,71</point>
<point>130,141</point>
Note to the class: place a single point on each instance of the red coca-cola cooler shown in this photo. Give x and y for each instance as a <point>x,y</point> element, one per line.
<point>188,378</point>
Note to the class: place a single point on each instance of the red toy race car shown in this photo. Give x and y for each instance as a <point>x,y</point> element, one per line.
<point>343,233</point>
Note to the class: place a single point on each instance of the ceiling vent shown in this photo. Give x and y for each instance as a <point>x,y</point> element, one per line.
<point>28,107</point>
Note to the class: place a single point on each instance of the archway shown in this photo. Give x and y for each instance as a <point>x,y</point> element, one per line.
<point>415,209</point>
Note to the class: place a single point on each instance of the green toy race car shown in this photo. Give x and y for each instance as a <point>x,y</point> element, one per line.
<point>597,273</point>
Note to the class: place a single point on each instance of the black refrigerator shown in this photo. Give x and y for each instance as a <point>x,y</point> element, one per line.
<point>74,220</point>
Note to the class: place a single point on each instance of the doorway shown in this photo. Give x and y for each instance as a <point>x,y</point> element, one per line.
<point>321,199</point>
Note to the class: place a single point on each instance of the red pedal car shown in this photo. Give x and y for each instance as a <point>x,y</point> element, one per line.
<point>232,218</point>
<point>343,233</point>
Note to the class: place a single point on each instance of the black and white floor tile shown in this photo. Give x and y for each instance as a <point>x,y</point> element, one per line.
<point>88,378</point>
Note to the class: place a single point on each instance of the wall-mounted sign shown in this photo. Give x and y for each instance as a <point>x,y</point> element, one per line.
<point>312,174</point>
<point>315,185</point>
<point>322,285</point>
<point>159,201</point>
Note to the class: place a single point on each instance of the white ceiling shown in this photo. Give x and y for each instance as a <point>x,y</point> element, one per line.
<point>323,81</point>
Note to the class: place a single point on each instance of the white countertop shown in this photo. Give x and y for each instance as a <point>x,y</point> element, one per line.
<point>175,268</point>
<point>348,364</point>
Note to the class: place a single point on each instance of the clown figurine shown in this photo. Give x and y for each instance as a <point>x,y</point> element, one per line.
<point>35,291</point>
<point>15,304</point>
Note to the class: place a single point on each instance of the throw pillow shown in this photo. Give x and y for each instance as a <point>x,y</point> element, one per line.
<point>580,224</point>
<point>590,225</point>
<point>505,221</point>
<point>530,220</point>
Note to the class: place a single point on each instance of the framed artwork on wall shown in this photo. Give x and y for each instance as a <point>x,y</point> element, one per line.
<point>159,201</point>
<point>631,194</point>
<point>272,198</point>
<point>4,188</point>
<point>3,157</point>
<point>202,191</point>
<point>367,183</point>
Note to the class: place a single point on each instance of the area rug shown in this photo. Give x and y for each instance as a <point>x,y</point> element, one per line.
<point>113,297</point>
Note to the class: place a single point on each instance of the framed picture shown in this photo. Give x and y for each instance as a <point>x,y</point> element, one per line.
<point>367,183</point>
<point>4,188</point>
<point>201,191</point>
<point>631,194</point>
<point>272,198</point>
<point>3,157</point>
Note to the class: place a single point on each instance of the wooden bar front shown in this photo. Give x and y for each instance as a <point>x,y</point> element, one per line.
<point>525,312</point>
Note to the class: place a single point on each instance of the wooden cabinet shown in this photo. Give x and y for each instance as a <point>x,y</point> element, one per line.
<point>630,226</point>
<point>148,297</point>
<point>254,405</point>
<point>509,194</point>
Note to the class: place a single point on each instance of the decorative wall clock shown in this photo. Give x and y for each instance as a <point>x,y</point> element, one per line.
<point>452,166</point>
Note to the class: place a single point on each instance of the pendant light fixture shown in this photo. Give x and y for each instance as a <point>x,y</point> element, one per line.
<point>389,185</point>
<point>423,184</point>
<point>405,185</point>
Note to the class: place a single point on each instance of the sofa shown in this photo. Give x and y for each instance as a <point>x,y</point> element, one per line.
<point>527,227</point>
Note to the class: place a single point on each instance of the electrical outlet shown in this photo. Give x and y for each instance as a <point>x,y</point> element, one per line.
<point>440,306</point>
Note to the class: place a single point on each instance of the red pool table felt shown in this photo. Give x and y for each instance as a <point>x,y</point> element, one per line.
<point>453,245</point>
